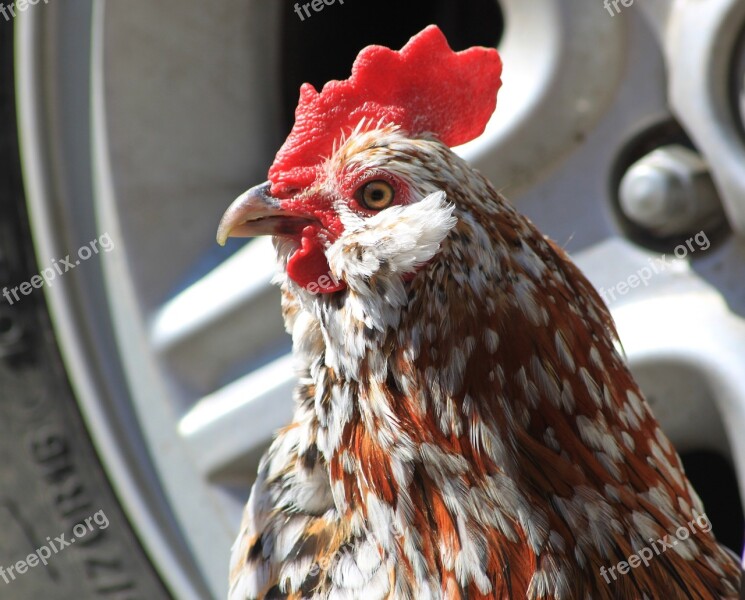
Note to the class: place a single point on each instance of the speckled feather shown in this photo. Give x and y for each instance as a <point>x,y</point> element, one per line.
<point>464,426</point>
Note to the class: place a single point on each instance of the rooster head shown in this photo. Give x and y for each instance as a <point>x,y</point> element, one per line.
<point>362,159</point>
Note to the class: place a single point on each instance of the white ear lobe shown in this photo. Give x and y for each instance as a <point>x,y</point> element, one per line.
<point>395,241</point>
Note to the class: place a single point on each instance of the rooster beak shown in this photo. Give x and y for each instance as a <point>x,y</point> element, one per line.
<point>256,212</point>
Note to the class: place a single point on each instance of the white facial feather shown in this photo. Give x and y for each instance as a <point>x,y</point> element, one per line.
<point>397,240</point>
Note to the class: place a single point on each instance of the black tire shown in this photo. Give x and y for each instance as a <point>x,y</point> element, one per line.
<point>50,476</point>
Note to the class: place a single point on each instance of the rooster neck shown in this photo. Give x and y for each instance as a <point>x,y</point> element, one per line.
<point>409,390</point>
<point>410,414</point>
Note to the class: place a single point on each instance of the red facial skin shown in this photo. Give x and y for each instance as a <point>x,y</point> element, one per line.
<point>308,266</point>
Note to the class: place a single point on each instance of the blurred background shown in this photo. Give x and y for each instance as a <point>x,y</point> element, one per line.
<point>147,381</point>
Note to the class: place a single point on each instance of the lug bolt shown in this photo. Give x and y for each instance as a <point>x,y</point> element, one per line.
<point>670,192</point>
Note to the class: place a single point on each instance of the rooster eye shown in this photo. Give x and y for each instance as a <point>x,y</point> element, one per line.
<point>376,195</point>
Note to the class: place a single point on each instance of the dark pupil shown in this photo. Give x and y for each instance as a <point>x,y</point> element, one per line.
<point>377,195</point>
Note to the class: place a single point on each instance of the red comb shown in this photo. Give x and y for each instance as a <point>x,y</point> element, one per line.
<point>424,88</point>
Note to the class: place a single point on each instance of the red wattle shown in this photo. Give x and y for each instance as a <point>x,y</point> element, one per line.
<point>309,268</point>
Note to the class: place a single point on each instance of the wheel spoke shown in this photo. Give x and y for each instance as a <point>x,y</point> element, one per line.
<point>228,430</point>
<point>201,332</point>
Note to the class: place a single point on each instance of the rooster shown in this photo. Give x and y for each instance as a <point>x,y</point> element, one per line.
<point>464,425</point>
